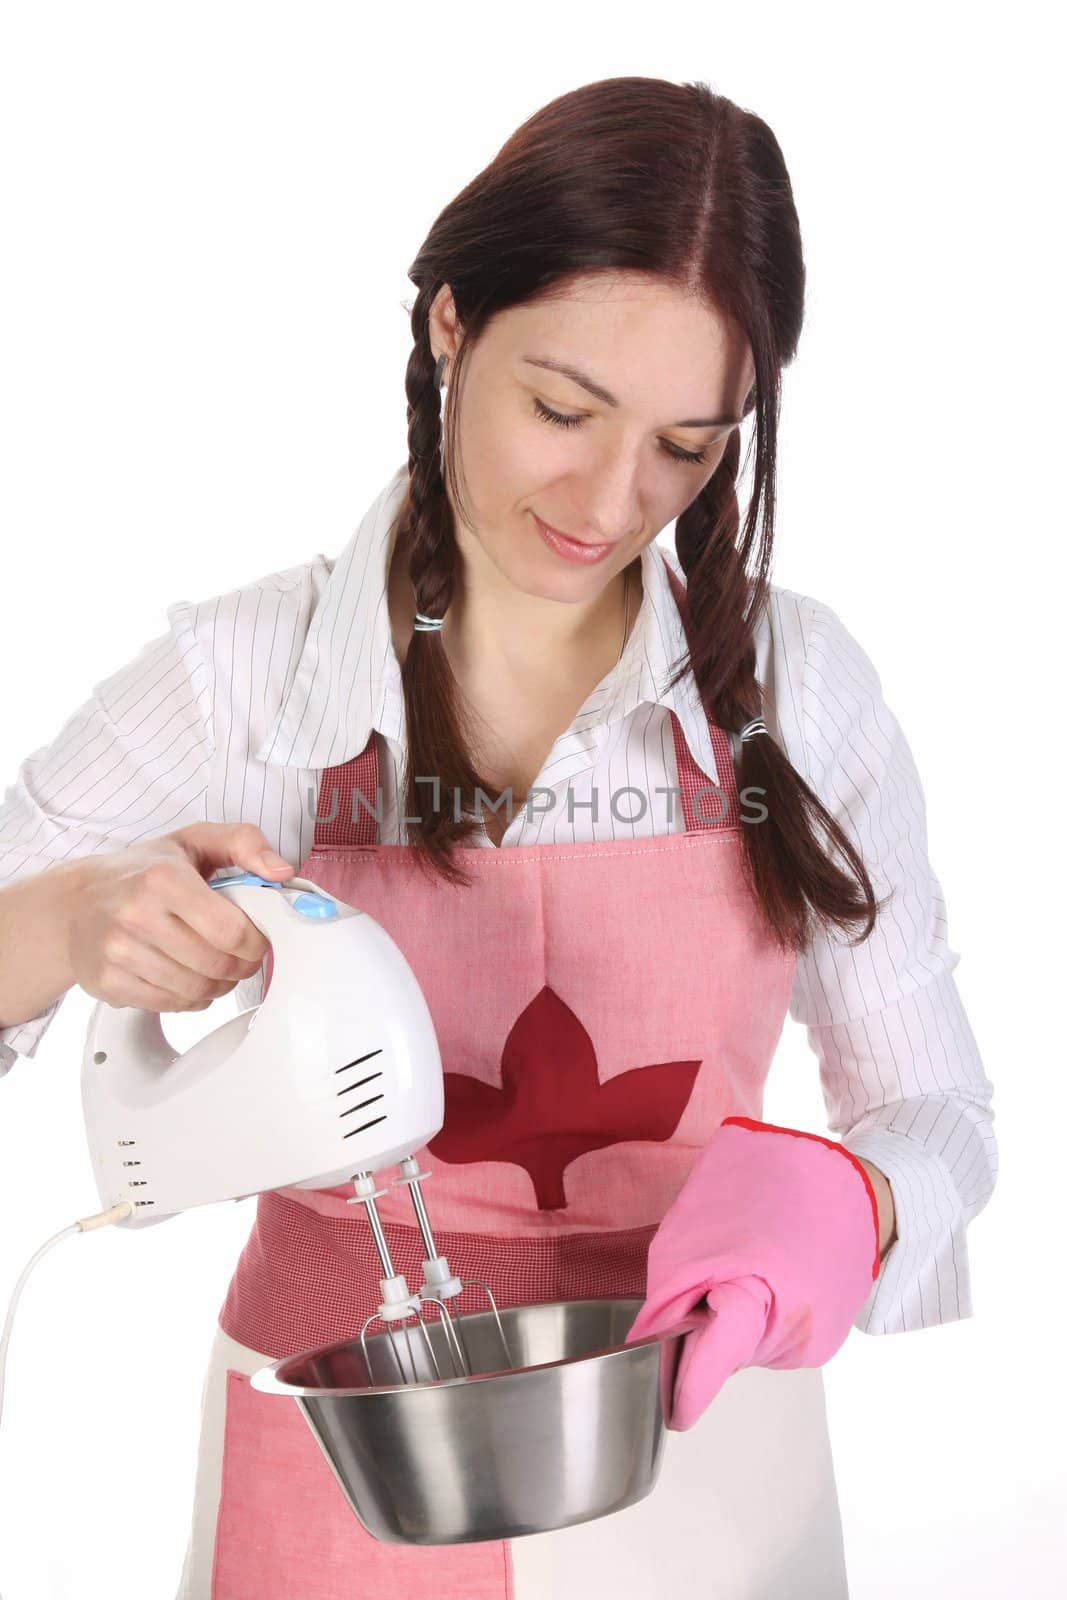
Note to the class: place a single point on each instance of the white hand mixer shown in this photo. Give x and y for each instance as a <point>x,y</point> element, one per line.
<point>333,1077</point>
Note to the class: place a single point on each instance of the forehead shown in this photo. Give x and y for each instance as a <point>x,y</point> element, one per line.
<point>643,338</point>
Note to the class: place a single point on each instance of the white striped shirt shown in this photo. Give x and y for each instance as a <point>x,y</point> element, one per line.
<point>234,713</point>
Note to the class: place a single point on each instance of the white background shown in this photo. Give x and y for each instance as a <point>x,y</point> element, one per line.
<point>208,212</point>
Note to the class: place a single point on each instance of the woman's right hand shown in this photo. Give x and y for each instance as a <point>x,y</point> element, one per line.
<point>147,931</point>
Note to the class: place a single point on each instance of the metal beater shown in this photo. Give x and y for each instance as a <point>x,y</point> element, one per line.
<point>439,1285</point>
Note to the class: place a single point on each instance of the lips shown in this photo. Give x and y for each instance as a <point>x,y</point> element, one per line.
<point>586,543</point>
<point>572,549</point>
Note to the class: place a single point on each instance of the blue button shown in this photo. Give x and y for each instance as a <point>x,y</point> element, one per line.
<point>243,877</point>
<point>315,905</point>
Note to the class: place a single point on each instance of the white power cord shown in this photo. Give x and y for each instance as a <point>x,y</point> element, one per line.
<point>115,1213</point>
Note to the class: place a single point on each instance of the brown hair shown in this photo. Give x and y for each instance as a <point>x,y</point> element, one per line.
<point>672,180</point>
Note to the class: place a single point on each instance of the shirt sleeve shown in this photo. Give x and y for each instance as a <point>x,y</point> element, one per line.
<point>131,763</point>
<point>901,1074</point>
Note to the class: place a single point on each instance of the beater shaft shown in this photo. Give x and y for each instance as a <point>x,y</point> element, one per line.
<point>398,1303</point>
<point>439,1284</point>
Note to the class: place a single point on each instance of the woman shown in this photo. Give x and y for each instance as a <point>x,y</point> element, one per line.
<point>621,811</point>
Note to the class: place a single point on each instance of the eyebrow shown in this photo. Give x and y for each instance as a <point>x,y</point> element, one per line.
<point>576,375</point>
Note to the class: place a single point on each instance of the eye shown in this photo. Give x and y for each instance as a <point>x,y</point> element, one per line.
<point>565,420</point>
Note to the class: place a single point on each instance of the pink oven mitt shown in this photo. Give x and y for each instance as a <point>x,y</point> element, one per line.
<point>778,1231</point>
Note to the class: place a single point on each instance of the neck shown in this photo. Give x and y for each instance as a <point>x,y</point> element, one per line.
<point>491,622</point>
<point>495,627</point>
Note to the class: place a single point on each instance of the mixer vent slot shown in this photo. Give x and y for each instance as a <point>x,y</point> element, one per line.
<point>358,1062</point>
<point>372,1124</point>
<point>373,1098</point>
<point>358,1084</point>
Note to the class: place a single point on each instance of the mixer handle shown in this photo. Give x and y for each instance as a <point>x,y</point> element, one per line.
<point>261,902</point>
<point>132,1032</point>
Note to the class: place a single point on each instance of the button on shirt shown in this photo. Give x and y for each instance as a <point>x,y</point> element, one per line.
<point>234,713</point>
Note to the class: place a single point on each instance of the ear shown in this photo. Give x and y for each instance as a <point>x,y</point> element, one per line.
<point>444,324</point>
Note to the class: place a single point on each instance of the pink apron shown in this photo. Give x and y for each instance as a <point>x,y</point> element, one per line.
<point>600,1009</point>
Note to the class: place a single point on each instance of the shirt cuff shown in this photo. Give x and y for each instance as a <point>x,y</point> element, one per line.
<point>23,1038</point>
<point>925,1276</point>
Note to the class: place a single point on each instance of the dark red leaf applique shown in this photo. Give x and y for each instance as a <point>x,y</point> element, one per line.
<point>552,1107</point>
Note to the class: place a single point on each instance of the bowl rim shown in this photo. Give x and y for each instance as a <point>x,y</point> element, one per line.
<point>269,1378</point>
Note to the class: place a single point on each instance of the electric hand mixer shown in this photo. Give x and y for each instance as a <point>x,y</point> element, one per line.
<point>334,1077</point>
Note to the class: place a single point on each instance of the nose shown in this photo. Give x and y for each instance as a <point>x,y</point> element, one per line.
<point>610,492</point>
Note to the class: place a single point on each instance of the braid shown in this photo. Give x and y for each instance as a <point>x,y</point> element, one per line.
<point>722,606</point>
<point>429,528</point>
<point>437,728</point>
<point>718,586</point>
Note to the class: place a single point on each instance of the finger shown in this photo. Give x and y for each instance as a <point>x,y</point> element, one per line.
<point>712,1354</point>
<point>125,989</point>
<point>137,962</point>
<point>657,1315</point>
<point>217,921</point>
<point>211,845</point>
<point>172,937</point>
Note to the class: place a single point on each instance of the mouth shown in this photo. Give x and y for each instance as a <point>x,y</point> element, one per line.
<point>572,549</point>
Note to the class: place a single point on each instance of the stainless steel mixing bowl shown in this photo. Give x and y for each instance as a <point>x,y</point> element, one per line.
<point>572,1431</point>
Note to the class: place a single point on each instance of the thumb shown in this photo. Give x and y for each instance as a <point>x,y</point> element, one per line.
<point>737,1318</point>
<point>210,845</point>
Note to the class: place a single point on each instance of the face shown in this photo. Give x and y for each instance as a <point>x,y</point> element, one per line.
<point>607,469</point>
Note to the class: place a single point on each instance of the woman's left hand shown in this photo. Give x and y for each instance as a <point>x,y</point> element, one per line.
<point>777,1231</point>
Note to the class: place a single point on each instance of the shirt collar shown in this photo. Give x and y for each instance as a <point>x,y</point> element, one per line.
<point>347,678</point>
